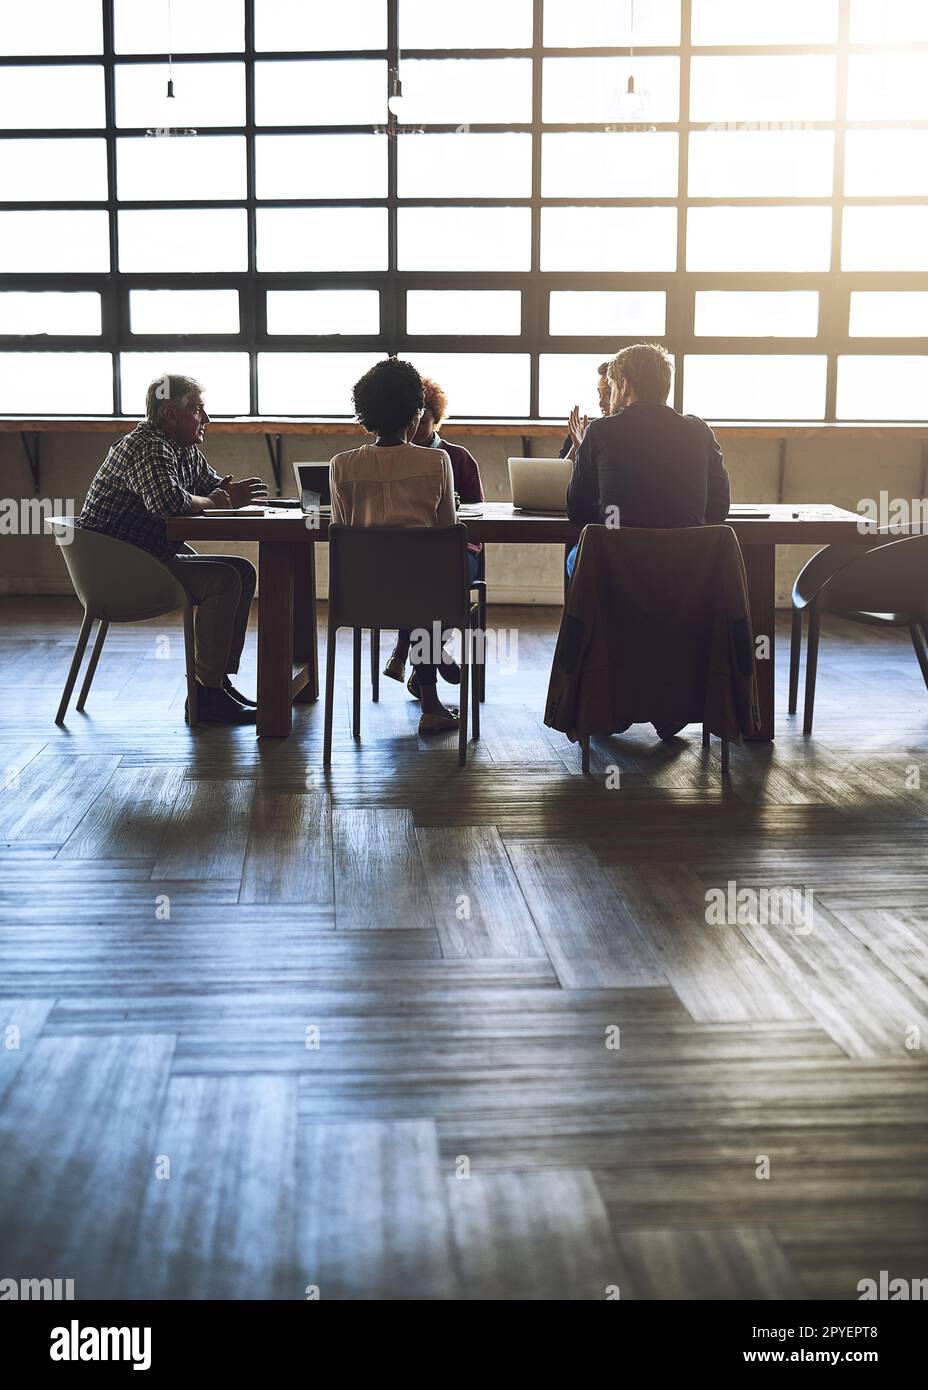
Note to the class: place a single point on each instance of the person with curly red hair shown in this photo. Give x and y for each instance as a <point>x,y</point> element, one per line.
<point>467,481</point>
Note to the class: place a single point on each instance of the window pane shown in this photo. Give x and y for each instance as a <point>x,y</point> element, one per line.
<point>754,387</point>
<point>224,376</point>
<point>205,94</point>
<point>53,170</point>
<point>310,383</point>
<point>49,98</point>
<point>445,90</point>
<point>608,313</point>
<point>756,313</point>
<point>321,166</point>
<point>54,242</point>
<point>183,239</point>
<point>593,89</point>
<point>788,21</point>
<point>464,238</point>
<point>621,239</point>
<point>323,311</point>
<point>479,383</point>
<point>448,312</point>
<point>893,238</point>
<point>197,26</point>
<point>463,165</point>
<point>758,239</point>
<point>566,379</point>
<point>56,383</point>
<point>886,161</point>
<point>325,92</point>
<point>882,388</point>
<point>212,166</point>
<point>322,238</point>
<point>887,86</point>
<point>47,311</point>
<point>606,23</point>
<point>888,21</point>
<point>798,87</point>
<point>183,311</point>
<point>52,26</point>
<point>478,24</point>
<point>635,164</point>
<point>281,24</point>
<point>889,314</point>
<point>761,163</point>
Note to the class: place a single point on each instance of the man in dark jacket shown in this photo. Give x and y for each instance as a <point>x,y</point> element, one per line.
<point>645,464</point>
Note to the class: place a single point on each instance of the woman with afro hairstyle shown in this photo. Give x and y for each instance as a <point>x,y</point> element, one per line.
<point>394,482</point>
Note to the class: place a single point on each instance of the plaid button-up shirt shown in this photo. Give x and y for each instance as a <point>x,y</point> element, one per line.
<point>144,479</point>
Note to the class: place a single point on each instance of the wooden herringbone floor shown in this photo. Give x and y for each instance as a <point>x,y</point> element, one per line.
<point>412,1031</point>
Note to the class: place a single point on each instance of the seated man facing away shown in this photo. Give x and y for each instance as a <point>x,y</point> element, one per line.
<point>155,472</point>
<point>393,482</point>
<point>645,464</point>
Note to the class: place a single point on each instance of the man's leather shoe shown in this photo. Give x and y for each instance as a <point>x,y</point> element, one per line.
<point>237,695</point>
<point>216,706</point>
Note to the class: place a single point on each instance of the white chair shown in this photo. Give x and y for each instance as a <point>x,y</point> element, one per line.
<point>117,583</point>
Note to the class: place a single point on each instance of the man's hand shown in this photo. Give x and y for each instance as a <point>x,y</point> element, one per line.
<point>219,497</point>
<point>577,426</point>
<point>247,491</point>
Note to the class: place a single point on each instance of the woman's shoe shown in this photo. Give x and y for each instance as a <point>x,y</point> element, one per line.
<point>439,723</point>
<point>412,685</point>
<point>395,669</point>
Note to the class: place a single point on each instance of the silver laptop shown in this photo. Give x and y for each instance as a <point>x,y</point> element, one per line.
<point>312,486</point>
<point>540,485</point>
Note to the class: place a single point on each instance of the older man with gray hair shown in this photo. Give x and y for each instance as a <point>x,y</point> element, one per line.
<point>155,472</point>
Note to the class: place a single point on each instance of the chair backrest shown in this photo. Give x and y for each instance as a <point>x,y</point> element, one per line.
<point>118,582</point>
<point>889,579</point>
<point>671,610</point>
<point>398,576</point>
<point>833,558</point>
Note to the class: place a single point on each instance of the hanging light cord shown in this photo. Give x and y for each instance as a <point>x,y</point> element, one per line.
<point>171,52</point>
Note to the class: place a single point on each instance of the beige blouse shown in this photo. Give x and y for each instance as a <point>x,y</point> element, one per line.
<point>392,485</point>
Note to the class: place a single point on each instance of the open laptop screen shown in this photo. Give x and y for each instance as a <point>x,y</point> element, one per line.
<point>312,483</point>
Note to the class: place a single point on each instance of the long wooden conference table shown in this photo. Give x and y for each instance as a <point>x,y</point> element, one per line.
<point>287,635</point>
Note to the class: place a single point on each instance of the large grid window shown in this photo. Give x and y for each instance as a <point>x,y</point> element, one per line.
<point>555,179</point>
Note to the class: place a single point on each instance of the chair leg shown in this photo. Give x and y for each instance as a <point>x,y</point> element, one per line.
<point>465,692</point>
<point>82,639</point>
<point>375,664</point>
<point>329,695</point>
<point>92,664</point>
<point>918,642</point>
<point>356,686</point>
<point>190,656</point>
<point>478,669</point>
<point>585,754</point>
<point>724,757</point>
<point>811,667</point>
<point>705,736</point>
<point>482,624</point>
<point>795,651</point>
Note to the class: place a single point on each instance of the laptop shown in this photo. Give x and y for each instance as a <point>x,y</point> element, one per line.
<point>539,485</point>
<point>312,487</point>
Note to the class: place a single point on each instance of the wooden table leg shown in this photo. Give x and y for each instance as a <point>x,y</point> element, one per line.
<point>305,640</point>
<point>760,563</point>
<point>275,638</point>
